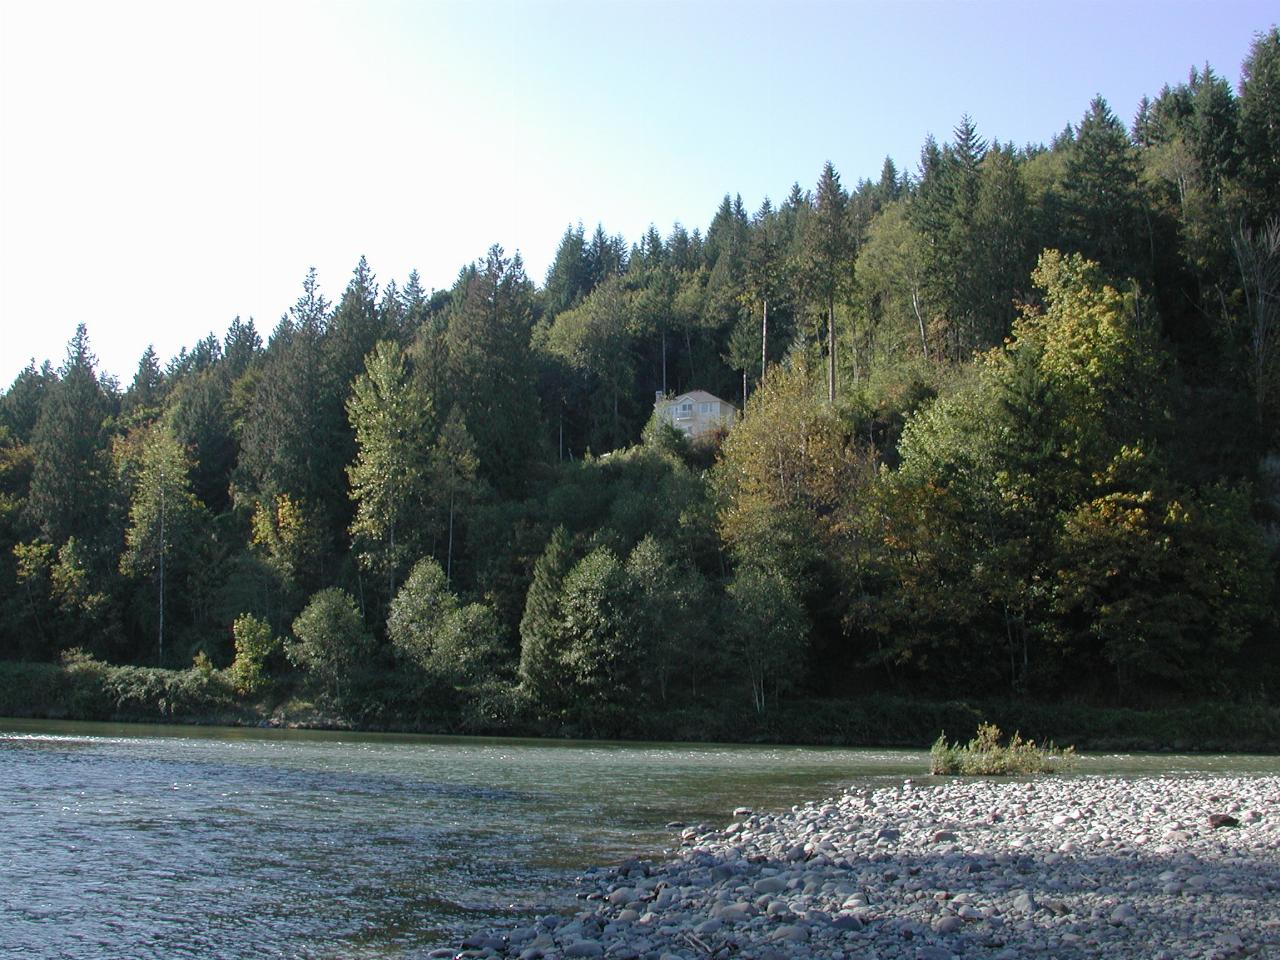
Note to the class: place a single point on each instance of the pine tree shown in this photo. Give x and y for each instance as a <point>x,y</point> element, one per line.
<point>541,668</point>
<point>144,394</point>
<point>69,479</point>
<point>1260,122</point>
<point>491,367</point>
<point>20,404</point>
<point>827,253</point>
<point>1100,195</point>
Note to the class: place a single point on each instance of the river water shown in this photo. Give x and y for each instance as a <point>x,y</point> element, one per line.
<point>156,842</point>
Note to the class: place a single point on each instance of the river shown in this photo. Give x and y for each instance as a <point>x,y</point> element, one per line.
<point>155,842</point>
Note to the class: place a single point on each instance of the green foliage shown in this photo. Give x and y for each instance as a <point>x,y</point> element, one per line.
<point>331,643</point>
<point>540,648</point>
<point>450,643</point>
<point>69,479</point>
<point>391,474</point>
<point>985,756</point>
<point>768,628</point>
<point>1044,480</point>
<point>254,643</point>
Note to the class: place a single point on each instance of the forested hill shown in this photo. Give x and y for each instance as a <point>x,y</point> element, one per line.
<point>1010,428</point>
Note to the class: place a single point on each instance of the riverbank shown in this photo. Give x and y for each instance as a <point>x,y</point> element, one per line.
<point>85,689</point>
<point>1082,867</point>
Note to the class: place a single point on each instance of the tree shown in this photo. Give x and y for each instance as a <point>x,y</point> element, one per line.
<point>331,642</point>
<point>144,393</point>
<point>164,517</point>
<point>541,672</point>
<point>826,257</point>
<point>765,278</point>
<point>241,347</point>
<point>287,446</point>
<point>568,277</point>
<point>355,328</point>
<point>784,475</point>
<point>594,340</point>
<point>768,629</point>
<point>664,614</point>
<point>389,479</point>
<point>1160,586</point>
<point>1102,204</point>
<point>1257,256</point>
<point>892,270</point>
<point>454,481</point>
<point>492,370</point>
<point>600,651</point>
<point>449,642</point>
<point>20,404</point>
<point>254,642</point>
<point>1260,121</point>
<point>69,487</point>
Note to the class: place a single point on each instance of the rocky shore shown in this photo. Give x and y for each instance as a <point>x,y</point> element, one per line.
<point>1151,868</point>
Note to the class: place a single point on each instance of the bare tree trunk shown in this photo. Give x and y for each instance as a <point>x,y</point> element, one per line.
<point>915,305</point>
<point>162,553</point>
<point>664,363</point>
<point>764,341</point>
<point>448,563</point>
<point>831,353</point>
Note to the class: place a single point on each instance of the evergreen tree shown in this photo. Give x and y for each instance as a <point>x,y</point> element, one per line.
<point>288,444</point>
<point>144,394</point>
<point>1101,199</point>
<point>541,669</point>
<point>20,404</point>
<point>491,368</point>
<point>1260,124</point>
<point>242,346</point>
<point>827,253</point>
<point>69,479</point>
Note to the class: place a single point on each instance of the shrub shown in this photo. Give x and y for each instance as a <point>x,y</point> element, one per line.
<point>254,643</point>
<point>985,756</point>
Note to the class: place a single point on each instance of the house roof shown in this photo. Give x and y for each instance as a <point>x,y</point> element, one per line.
<point>700,396</point>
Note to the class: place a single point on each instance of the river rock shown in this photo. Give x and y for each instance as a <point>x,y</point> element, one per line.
<point>1030,870</point>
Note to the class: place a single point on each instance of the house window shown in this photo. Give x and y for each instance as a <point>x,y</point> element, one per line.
<point>704,408</point>
<point>686,408</point>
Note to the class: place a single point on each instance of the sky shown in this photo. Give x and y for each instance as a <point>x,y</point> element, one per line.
<point>166,167</point>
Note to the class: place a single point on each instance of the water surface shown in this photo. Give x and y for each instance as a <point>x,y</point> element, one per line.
<point>150,842</point>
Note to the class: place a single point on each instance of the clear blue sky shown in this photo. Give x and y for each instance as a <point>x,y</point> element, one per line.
<point>167,166</point>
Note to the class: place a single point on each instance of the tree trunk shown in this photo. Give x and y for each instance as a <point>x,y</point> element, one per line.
<point>162,553</point>
<point>831,351</point>
<point>764,340</point>
<point>915,305</point>
<point>448,563</point>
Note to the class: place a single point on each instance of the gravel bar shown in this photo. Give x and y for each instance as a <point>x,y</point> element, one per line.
<point>1151,868</point>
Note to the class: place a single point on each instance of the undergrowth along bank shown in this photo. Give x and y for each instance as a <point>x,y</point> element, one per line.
<point>86,689</point>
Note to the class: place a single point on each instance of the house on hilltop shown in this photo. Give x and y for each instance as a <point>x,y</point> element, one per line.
<point>696,413</point>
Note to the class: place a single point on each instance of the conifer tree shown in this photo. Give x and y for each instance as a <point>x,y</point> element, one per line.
<point>69,479</point>
<point>541,668</point>
<point>827,253</point>
<point>1260,123</point>
<point>491,367</point>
